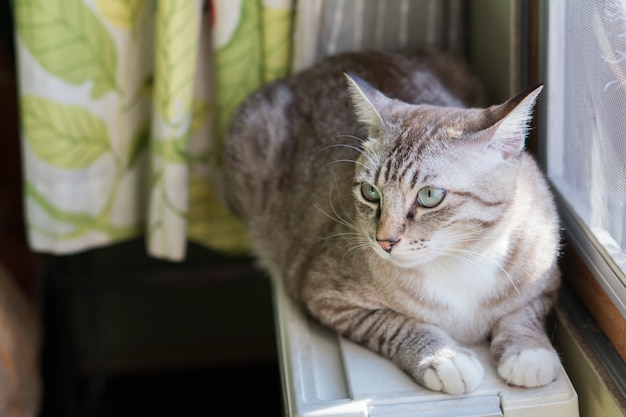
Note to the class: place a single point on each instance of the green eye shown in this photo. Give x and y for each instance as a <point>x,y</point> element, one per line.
<point>370,193</point>
<point>430,197</point>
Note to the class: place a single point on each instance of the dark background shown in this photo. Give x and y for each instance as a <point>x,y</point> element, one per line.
<point>127,335</point>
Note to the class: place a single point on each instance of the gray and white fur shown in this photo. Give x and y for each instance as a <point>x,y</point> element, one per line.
<point>402,215</point>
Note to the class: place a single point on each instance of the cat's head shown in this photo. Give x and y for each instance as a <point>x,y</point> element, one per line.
<point>434,181</point>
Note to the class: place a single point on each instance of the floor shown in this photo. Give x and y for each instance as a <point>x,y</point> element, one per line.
<point>164,340</point>
<point>245,389</point>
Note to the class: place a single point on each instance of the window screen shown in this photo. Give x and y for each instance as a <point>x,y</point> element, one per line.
<point>586,138</point>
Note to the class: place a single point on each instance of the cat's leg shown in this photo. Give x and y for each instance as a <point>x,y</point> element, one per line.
<point>423,351</point>
<point>521,349</point>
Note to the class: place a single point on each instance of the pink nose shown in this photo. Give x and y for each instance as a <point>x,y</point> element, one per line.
<point>387,244</point>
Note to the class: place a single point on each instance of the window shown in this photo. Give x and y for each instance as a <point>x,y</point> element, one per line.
<point>586,134</point>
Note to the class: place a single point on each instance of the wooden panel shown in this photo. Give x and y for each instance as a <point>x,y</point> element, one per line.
<point>595,299</point>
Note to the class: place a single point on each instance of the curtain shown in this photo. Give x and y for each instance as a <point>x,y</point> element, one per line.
<point>328,27</point>
<point>119,117</point>
<point>124,103</point>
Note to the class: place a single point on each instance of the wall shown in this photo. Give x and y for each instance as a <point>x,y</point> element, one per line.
<point>491,27</point>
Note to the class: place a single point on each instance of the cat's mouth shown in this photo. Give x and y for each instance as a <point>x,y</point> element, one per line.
<point>401,258</point>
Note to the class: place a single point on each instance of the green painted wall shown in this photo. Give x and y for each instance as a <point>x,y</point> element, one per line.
<point>491,25</point>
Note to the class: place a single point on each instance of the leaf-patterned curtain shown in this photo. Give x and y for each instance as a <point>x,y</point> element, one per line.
<point>120,117</point>
<point>123,103</point>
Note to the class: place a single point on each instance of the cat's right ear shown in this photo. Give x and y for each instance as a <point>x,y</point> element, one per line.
<point>367,102</point>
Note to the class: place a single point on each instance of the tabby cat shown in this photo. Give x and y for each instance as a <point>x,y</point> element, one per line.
<point>401,215</point>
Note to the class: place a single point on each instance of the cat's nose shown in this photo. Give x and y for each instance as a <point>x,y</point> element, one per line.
<point>387,244</point>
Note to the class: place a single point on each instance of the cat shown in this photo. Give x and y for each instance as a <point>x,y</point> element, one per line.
<point>401,214</point>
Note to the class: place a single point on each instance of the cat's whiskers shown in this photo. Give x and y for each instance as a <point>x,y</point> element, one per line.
<point>348,136</point>
<point>375,162</point>
<point>336,219</point>
<point>469,261</point>
<point>345,160</point>
<point>476,239</point>
<point>377,283</point>
<point>485,235</point>
<point>476,257</point>
<point>338,235</point>
<point>336,216</point>
<point>358,243</point>
<point>438,265</point>
<point>356,246</point>
<point>346,214</point>
<point>359,150</point>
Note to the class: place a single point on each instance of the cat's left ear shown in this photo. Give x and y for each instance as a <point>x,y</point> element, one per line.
<point>368,103</point>
<point>511,121</point>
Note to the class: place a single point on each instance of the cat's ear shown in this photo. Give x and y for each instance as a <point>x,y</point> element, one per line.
<point>511,119</point>
<point>368,102</point>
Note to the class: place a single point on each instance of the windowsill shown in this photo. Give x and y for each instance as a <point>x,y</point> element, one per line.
<point>592,363</point>
<point>593,296</point>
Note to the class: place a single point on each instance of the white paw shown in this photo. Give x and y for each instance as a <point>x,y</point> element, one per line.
<point>530,368</point>
<point>451,371</point>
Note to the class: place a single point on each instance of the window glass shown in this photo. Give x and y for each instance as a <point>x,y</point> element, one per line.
<point>586,143</point>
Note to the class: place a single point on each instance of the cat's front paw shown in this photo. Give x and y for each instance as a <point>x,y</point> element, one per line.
<point>530,368</point>
<point>451,371</point>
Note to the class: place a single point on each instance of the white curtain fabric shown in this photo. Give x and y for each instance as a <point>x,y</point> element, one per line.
<point>329,27</point>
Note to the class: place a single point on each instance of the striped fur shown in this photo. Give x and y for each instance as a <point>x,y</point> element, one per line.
<point>415,284</point>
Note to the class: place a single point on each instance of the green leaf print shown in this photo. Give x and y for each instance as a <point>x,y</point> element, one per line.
<point>122,13</point>
<point>64,136</point>
<point>276,42</point>
<point>138,143</point>
<point>177,30</point>
<point>201,113</point>
<point>238,65</point>
<point>82,222</point>
<point>67,40</point>
<point>210,223</point>
<point>171,150</point>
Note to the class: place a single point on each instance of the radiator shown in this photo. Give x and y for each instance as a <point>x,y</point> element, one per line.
<point>325,375</point>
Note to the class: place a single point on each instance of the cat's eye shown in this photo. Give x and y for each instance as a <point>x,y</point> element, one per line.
<point>370,193</point>
<point>430,197</point>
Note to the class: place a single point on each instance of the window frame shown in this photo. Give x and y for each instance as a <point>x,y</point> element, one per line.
<point>585,265</point>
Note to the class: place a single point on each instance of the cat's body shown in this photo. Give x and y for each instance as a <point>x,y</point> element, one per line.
<point>437,231</point>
